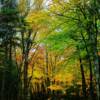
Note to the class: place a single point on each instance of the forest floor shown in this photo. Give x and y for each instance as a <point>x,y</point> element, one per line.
<point>61,97</point>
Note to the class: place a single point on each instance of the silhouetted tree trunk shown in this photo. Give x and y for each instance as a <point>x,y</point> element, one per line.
<point>26,44</point>
<point>4,74</point>
<point>47,69</point>
<point>90,66</point>
<point>83,78</point>
<point>93,40</point>
<point>25,67</point>
<point>82,74</point>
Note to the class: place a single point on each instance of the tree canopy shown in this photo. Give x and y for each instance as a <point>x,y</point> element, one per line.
<point>49,50</point>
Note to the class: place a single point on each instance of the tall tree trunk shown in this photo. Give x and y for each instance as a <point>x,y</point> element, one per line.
<point>90,66</point>
<point>25,67</point>
<point>94,31</point>
<point>26,77</point>
<point>46,70</point>
<point>4,74</point>
<point>97,72</point>
<point>82,74</point>
<point>26,47</point>
<point>83,78</point>
<point>93,41</point>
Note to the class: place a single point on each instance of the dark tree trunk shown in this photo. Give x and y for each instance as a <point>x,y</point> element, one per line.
<point>83,78</point>
<point>90,66</point>
<point>46,71</point>
<point>4,74</point>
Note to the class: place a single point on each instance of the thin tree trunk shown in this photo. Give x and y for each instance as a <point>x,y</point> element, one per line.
<point>46,70</point>
<point>97,72</point>
<point>90,67</point>
<point>26,77</point>
<point>93,41</point>
<point>26,47</point>
<point>83,78</point>
<point>25,67</point>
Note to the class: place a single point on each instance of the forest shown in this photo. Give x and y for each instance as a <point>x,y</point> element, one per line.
<point>49,49</point>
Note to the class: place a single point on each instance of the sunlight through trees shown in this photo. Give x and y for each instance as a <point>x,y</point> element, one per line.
<point>49,50</point>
